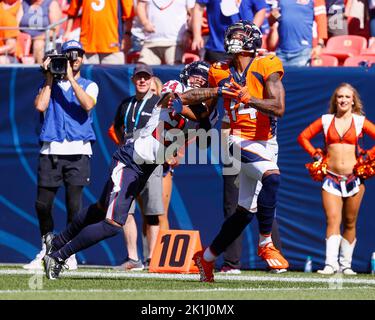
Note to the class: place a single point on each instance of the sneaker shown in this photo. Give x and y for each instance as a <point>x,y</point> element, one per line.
<point>278,271</point>
<point>37,263</point>
<point>348,272</point>
<point>206,269</point>
<point>71,262</point>
<point>327,270</point>
<point>273,257</point>
<point>131,265</point>
<point>229,270</point>
<point>53,266</point>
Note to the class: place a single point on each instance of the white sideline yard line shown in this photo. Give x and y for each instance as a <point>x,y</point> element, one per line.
<point>176,291</point>
<point>139,275</point>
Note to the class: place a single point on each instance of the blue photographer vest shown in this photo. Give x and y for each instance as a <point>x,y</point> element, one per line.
<point>65,118</point>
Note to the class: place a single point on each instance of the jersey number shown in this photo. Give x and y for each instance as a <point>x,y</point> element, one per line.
<point>242,109</point>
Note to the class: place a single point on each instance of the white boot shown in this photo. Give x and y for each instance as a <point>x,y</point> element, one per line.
<point>37,263</point>
<point>346,254</point>
<point>332,253</point>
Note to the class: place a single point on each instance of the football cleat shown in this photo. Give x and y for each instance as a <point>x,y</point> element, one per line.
<point>53,266</point>
<point>273,257</point>
<point>206,269</point>
<point>47,239</point>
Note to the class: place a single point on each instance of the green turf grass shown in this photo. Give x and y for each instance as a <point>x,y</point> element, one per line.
<point>93,284</point>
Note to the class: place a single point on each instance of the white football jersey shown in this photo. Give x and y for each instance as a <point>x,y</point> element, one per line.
<point>163,128</point>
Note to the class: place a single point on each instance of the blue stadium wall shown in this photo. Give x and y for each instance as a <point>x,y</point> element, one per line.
<point>197,194</point>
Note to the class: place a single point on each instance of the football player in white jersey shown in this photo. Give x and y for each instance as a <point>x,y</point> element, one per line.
<point>132,164</point>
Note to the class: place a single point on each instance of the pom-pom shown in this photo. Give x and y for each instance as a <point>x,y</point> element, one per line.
<point>364,169</point>
<point>317,169</point>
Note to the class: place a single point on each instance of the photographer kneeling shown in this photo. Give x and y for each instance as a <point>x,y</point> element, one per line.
<point>65,101</point>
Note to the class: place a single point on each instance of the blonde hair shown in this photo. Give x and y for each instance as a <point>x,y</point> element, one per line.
<point>158,85</point>
<point>357,106</point>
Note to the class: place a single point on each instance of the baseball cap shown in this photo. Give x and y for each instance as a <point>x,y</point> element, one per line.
<point>72,45</point>
<point>140,67</point>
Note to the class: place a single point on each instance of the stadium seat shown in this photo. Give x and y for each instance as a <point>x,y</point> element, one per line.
<point>370,51</point>
<point>24,48</point>
<point>324,61</point>
<point>189,57</point>
<point>359,60</point>
<point>344,46</point>
<point>132,57</point>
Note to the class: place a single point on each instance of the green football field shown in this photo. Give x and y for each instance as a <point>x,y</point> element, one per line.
<point>105,283</point>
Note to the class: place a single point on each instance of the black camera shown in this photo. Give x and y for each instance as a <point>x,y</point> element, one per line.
<point>58,65</point>
<point>59,62</point>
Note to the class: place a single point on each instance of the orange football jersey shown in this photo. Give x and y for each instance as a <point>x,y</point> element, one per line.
<point>101,23</point>
<point>245,121</point>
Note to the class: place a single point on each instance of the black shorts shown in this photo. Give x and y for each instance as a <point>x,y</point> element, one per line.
<point>54,170</point>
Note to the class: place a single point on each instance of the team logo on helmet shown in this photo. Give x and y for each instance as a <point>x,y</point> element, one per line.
<point>195,68</point>
<point>242,36</point>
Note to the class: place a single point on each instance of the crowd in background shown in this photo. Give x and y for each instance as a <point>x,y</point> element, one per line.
<point>180,31</point>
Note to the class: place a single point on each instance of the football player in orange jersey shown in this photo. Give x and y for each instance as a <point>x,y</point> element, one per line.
<point>260,100</point>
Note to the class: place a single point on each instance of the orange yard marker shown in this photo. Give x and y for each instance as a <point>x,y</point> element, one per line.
<point>174,251</point>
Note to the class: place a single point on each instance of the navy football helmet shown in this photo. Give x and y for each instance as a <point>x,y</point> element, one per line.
<point>242,36</point>
<point>195,68</point>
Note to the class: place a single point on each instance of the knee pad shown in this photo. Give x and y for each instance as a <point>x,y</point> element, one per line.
<point>152,220</point>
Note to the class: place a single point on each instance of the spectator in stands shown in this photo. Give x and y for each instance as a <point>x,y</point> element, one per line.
<point>165,27</point>
<point>292,30</point>
<point>342,190</point>
<point>39,14</point>
<point>8,38</point>
<point>134,34</point>
<point>133,113</point>
<point>220,15</point>
<point>66,136</point>
<point>337,14</point>
<point>100,28</point>
<point>14,7</point>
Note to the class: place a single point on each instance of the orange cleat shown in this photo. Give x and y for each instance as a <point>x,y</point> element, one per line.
<point>206,269</point>
<point>273,257</point>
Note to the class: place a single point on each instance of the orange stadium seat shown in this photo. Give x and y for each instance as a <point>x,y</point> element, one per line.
<point>370,51</point>
<point>345,46</point>
<point>324,61</point>
<point>357,60</point>
<point>189,57</point>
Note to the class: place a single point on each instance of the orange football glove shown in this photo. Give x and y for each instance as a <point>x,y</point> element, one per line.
<point>242,94</point>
